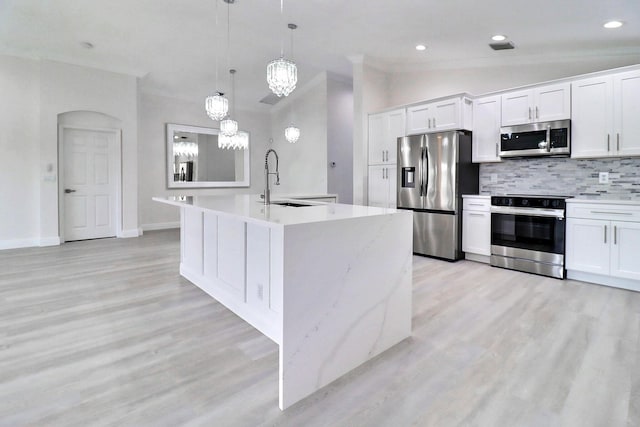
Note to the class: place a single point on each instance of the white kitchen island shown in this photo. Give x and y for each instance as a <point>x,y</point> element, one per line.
<point>329,283</point>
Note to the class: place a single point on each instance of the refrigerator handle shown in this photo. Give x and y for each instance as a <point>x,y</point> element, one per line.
<point>425,176</point>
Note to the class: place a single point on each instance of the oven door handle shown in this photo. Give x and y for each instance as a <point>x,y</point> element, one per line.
<point>556,213</point>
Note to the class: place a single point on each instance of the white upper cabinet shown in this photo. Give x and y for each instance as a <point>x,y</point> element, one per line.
<point>446,114</point>
<point>540,104</point>
<point>486,129</point>
<point>605,116</point>
<point>626,113</point>
<point>384,131</point>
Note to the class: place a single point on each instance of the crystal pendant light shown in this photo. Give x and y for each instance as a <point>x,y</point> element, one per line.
<point>228,126</point>
<point>292,134</point>
<point>216,105</point>
<point>282,74</point>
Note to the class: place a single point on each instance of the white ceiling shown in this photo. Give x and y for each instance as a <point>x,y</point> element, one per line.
<point>170,44</point>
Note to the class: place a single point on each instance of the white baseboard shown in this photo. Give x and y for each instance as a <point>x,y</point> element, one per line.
<point>161,226</point>
<point>19,243</point>
<point>133,232</point>
<point>49,241</point>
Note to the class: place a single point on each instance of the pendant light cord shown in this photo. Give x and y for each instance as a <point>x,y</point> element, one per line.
<point>282,19</point>
<point>217,44</point>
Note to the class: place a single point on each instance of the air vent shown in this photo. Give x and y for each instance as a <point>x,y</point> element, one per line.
<point>501,46</point>
<point>271,99</point>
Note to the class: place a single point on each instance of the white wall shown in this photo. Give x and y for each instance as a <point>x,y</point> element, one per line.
<point>340,138</point>
<point>155,112</point>
<point>20,147</point>
<point>303,165</point>
<point>409,87</point>
<point>34,94</point>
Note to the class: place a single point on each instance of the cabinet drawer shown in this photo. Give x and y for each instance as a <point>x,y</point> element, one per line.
<point>610,212</point>
<point>480,204</point>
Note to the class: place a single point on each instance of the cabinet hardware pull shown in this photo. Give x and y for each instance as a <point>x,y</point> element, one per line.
<point>608,142</point>
<point>496,149</point>
<point>434,122</point>
<point>537,113</point>
<point>475,214</point>
<point>382,173</point>
<point>618,141</point>
<point>605,234</point>
<point>429,125</point>
<point>476,204</point>
<point>611,213</point>
<point>615,234</point>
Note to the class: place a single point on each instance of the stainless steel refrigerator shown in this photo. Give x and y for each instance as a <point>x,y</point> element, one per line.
<point>434,170</point>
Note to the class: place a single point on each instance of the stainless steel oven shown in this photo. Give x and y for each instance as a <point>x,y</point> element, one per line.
<point>528,234</point>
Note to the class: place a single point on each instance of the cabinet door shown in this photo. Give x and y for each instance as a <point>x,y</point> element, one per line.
<point>378,188</point>
<point>377,133</point>
<point>419,119</point>
<point>516,108</point>
<point>486,129</point>
<point>592,117</point>
<point>392,182</point>
<point>476,232</point>
<point>397,128</point>
<point>588,245</point>
<point>626,111</point>
<point>625,248</point>
<point>552,102</point>
<point>445,115</point>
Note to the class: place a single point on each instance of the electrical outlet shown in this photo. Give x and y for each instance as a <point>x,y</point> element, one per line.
<point>603,177</point>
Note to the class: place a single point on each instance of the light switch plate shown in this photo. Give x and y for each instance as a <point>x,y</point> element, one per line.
<point>603,177</point>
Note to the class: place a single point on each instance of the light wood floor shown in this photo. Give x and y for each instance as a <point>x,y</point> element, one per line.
<point>105,332</point>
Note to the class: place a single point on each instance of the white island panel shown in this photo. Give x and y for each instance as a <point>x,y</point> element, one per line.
<point>343,304</point>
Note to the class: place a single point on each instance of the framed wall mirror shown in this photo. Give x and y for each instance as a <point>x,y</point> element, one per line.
<point>194,159</point>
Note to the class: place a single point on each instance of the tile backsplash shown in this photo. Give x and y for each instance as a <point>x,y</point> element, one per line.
<point>565,176</point>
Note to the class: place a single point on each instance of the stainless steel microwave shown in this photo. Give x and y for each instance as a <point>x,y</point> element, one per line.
<point>536,139</point>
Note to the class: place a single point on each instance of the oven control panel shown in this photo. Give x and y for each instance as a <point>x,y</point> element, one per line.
<point>529,202</point>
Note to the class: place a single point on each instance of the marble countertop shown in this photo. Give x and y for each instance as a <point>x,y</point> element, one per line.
<point>251,208</point>
<point>604,201</point>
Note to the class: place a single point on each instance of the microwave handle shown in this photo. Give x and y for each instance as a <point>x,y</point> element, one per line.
<point>548,138</point>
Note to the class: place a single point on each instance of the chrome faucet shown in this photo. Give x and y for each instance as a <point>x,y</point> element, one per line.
<point>267,191</point>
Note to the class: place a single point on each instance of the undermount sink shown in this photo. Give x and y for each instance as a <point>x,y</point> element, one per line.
<point>290,204</point>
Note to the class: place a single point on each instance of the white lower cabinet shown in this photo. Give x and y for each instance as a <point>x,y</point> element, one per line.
<point>382,186</point>
<point>476,228</point>
<point>603,244</point>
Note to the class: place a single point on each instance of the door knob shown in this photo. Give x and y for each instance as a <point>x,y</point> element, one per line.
<point>68,190</point>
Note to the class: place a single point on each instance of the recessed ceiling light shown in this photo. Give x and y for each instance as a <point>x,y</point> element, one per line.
<point>420,47</point>
<point>499,38</point>
<point>612,24</point>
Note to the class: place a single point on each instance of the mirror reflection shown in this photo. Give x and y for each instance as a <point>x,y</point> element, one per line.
<point>196,160</point>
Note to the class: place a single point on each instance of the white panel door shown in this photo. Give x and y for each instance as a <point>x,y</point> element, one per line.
<point>90,167</point>
<point>552,102</point>
<point>446,115</point>
<point>626,109</point>
<point>591,117</point>
<point>486,129</point>
<point>419,119</point>
<point>378,191</point>
<point>516,107</point>
<point>625,250</point>
<point>397,128</point>
<point>476,232</point>
<point>588,245</point>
